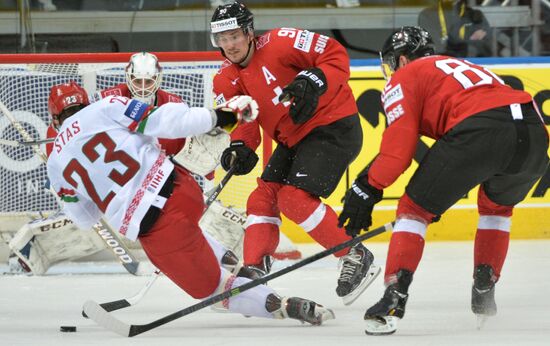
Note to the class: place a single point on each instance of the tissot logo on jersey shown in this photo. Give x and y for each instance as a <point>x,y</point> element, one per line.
<point>219,99</point>
<point>136,110</point>
<point>303,40</point>
<point>391,96</point>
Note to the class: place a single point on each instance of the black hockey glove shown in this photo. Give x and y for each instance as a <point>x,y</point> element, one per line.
<point>305,89</point>
<point>358,204</point>
<point>242,157</point>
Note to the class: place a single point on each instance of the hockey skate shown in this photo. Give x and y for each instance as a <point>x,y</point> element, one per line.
<point>382,317</point>
<point>254,272</point>
<point>299,309</point>
<point>356,273</point>
<point>483,294</point>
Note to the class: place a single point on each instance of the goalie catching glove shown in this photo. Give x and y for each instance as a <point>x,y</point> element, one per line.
<point>305,89</point>
<point>359,202</point>
<point>239,109</point>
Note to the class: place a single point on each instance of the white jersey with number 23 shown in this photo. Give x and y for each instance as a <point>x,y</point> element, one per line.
<point>106,159</point>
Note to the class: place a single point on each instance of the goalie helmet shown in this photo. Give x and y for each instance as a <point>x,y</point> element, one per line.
<point>143,76</point>
<point>229,17</point>
<point>64,97</point>
<point>411,41</point>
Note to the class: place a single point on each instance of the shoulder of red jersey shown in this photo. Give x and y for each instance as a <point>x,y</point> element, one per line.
<point>291,38</point>
<point>118,90</point>
<point>165,97</point>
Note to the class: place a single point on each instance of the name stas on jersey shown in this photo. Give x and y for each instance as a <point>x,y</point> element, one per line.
<point>276,56</point>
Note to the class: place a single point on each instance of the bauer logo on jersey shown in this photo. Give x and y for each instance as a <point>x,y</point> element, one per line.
<point>303,40</point>
<point>136,110</point>
<point>392,96</point>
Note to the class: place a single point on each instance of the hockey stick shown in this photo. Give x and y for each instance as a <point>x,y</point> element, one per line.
<point>108,321</point>
<point>25,144</point>
<point>124,303</point>
<point>104,231</point>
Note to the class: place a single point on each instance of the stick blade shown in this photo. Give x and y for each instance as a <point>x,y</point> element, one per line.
<point>95,312</point>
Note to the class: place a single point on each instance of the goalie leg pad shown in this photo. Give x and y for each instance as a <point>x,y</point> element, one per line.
<point>226,225</point>
<point>44,242</point>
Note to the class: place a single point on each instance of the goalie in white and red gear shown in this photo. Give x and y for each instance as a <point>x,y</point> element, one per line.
<point>111,166</point>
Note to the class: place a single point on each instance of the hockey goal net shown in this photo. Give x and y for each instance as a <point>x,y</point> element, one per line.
<point>25,82</point>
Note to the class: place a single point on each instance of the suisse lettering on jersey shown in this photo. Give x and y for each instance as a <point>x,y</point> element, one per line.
<point>135,110</point>
<point>390,96</point>
<point>321,44</point>
<point>64,136</point>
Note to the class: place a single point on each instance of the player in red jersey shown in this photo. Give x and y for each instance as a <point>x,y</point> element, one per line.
<point>486,134</point>
<point>299,79</point>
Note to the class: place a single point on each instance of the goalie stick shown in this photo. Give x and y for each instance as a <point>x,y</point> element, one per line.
<point>104,231</point>
<point>126,302</point>
<point>108,321</point>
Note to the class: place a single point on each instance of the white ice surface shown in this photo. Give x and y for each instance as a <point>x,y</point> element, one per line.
<point>438,312</point>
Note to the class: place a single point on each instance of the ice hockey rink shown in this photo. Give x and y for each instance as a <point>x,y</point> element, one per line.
<point>438,312</point>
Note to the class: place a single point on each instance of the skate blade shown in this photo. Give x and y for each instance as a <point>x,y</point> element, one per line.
<point>481,321</point>
<point>381,325</point>
<point>373,272</point>
<point>326,314</point>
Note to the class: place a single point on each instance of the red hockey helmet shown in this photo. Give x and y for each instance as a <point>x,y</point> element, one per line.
<point>65,96</point>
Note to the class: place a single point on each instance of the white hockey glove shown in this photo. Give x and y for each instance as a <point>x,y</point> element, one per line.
<point>201,154</point>
<point>243,108</point>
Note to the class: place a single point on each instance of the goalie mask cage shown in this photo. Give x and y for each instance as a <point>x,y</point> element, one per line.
<point>25,81</point>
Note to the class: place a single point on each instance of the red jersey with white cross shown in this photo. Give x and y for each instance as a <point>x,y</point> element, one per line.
<point>279,56</point>
<point>428,97</point>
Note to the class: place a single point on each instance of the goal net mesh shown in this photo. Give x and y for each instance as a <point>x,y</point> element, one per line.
<point>24,90</point>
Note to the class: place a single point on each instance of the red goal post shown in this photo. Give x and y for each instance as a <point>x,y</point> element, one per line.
<point>25,81</point>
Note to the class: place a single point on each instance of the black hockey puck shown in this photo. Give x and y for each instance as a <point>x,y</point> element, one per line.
<point>67,329</point>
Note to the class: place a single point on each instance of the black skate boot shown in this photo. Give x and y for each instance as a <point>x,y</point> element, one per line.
<point>483,294</point>
<point>382,317</point>
<point>299,309</point>
<point>254,272</point>
<point>356,274</point>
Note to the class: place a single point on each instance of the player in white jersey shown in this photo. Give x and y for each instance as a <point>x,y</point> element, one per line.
<point>37,250</point>
<point>106,162</point>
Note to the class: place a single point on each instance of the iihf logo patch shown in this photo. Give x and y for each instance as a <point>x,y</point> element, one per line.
<point>135,110</point>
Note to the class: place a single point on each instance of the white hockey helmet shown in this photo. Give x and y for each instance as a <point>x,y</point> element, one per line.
<point>143,76</point>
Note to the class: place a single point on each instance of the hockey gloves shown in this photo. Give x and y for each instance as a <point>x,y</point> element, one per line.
<point>358,204</point>
<point>239,155</point>
<point>238,109</point>
<point>305,89</point>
